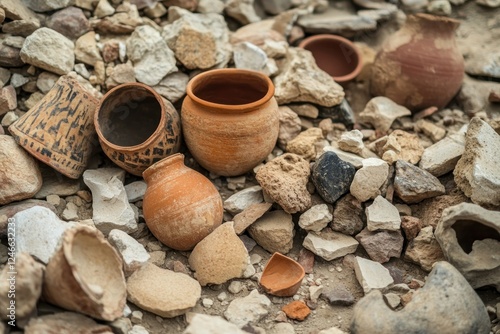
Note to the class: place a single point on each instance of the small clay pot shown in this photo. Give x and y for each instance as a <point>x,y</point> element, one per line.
<point>85,275</point>
<point>181,206</point>
<point>59,129</point>
<point>137,127</point>
<point>335,55</point>
<point>282,276</point>
<point>230,120</point>
<point>420,65</point>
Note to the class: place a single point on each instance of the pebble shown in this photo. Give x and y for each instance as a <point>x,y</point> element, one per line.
<point>45,81</point>
<point>121,326</point>
<point>330,245</point>
<point>235,287</point>
<point>348,215</point>
<point>222,296</point>
<point>239,201</point>
<point>369,179</point>
<point>133,254</point>
<point>207,302</point>
<point>241,11</point>
<point>316,218</point>
<point>296,310</point>
<point>424,249</point>
<point>157,258</point>
<point>315,292</point>
<point>382,245</point>
<point>137,329</point>
<point>371,275</point>
<point>136,317</point>
<point>351,141</point>
<point>204,323</point>
<point>304,144</point>
<point>282,328</point>
<point>413,184</point>
<point>248,310</point>
<point>70,212</point>
<point>382,215</point>
<point>338,295</point>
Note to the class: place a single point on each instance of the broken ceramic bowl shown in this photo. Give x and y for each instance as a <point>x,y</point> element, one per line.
<point>469,236</point>
<point>282,276</point>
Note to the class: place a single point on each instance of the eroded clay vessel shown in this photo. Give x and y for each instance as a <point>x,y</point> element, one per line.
<point>181,206</point>
<point>282,276</point>
<point>137,127</point>
<point>85,275</point>
<point>230,120</point>
<point>420,65</point>
<point>335,55</point>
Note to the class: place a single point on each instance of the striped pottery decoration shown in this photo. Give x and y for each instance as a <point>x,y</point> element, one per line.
<point>137,127</point>
<point>59,130</point>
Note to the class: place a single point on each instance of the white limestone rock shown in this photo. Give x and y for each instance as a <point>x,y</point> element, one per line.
<point>369,179</point>
<point>371,275</point>
<point>382,215</point>
<point>330,245</point>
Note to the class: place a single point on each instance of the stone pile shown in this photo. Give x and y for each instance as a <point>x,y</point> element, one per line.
<point>368,197</point>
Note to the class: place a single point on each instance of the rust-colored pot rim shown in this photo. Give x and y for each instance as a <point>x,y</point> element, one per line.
<point>151,138</point>
<point>330,37</point>
<point>171,159</point>
<point>235,72</point>
<point>289,289</point>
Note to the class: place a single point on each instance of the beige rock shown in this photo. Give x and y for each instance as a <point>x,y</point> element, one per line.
<point>20,176</point>
<point>381,112</point>
<point>274,231</point>
<point>290,126</point>
<point>284,179</point>
<point>369,179</point>
<point>355,160</point>
<point>371,275</point>
<point>26,285</point>
<point>204,323</point>
<point>122,73</point>
<point>219,257</point>
<point>351,141</point>
<point>442,157</point>
<point>173,86</point>
<point>86,49</point>
<point>401,144</point>
<point>103,9</point>
<point>301,80</point>
<point>330,245</point>
<point>65,322</point>
<point>430,210</point>
<point>257,33</point>
<point>304,144</point>
<point>17,10</point>
<point>8,99</point>
<point>382,215</point>
<point>431,130</point>
<point>249,215</point>
<point>424,250</point>
<point>242,11</point>
<point>162,292</point>
<point>316,218</point>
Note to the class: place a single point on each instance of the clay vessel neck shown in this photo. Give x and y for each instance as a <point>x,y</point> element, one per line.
<point>431,24</point>
<point>164,169</point>
<point>230,90</point>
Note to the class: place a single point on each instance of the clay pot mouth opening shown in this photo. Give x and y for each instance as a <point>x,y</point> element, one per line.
<point>129,115</point>
<point>230,90</point>
<point>97,268</point>
<point>469,231</point>
<point>335,55</point>
<point>170,160</point>
<point>282,276</point>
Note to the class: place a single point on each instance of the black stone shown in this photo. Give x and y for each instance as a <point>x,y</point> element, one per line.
<point>338,296</point>
<point>332,176</point>
<point>341,113</point>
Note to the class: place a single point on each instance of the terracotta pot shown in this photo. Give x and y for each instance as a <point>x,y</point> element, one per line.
<point>282,276</point>
<point>420,65</point>
<point>230,120</point>
<point>181,206</point>
<point>335,55</point>
<point>85,275</point>
<point>58,130</point>
<point>137,127</point>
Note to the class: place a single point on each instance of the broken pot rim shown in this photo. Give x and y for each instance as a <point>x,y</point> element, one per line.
<point>295,286</point>
<point>151,138</point>
<point>230,108</point>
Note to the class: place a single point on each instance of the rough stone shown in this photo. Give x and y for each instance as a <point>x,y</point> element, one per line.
<point>304,144</point>
<point>121,73</point>
<point>351,141</point>
<point>296,310</point>
<point>429,211</point>
<point>338,295</point>
<point>136,190</point>
<point>290,126</point>
<point>483,61</point>
<point>381,246</point>
<point>219,257</point>
<point>473,96</point>
<point>413,184</point>
<point>103,9</point>
<point>249,56</point>
<point>306,260</point>
<point>162,292</point>
<point>348,216</point>
<point>247,310</point>
<point>20,176</point>
<point>399,145</point>
<point>337,22</point>
<point>257,33</point>
<point>371,275</point>
<point>301,80</point>
<point>431,130</point>
<point>242,11</point>
<point>209,324</point>
<point>284,179</point>
<point>111,209</point>
<point>133,254</point>
<point>17,10</point>
<point>305,110</point>
<point>45,81</point>
<point>369,179</point>
<point>8,99</point>
<point>48,49</point>
<point>442,157</point>
<point>151,56</point>
<point>70,21</point>
<point>27,282</point>
<point>381,112</point>
<point>276,7</point>
<point>351,158</point>
<point>469,236</point>
<point>173,86</point>
<point>198,40</point>
<point>48,5</point>
<point>249,215</point>
<point>65,322</point>
<point>274,231</point>
<point>411,227</point>
<point>332,176</point>
<point>316,218</point>
<point>477,173</point>
<point>446,304</point>
<point>86,49</point>
<point>38,232</point>
<point>239,201</point>
<point>55,183</point>
<point>382,215</point>
<point>424,250</point>
<point>330,245</point>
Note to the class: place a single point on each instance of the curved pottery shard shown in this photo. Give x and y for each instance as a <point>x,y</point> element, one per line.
<point>445,305</point>
<point>469,236</point>
<point>282,276</point>
<point>85,275</point>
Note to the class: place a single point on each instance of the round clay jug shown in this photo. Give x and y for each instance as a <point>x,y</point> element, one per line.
<point>230,120</point>
<point>181,206</point>
<point>420,65</point>
<point>335,55</point>
<point>137,127</point>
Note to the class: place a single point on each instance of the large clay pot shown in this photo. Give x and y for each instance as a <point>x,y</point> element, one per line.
<point>137,127</point>
<point>58,130</point>
<point>230,120</point>
<point>85,275</point>
<point>181,206</point>
<point>420,65</point>
<point>335,55</point>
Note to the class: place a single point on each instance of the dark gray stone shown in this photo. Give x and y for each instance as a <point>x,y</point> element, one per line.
<point>348,215</point>
<point>332,176</point>
<point>413,184</point>
<point>341,113</point>
<point>381,246</point>
<point>338,296</point>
